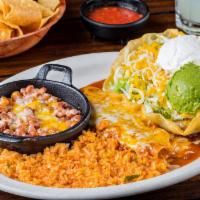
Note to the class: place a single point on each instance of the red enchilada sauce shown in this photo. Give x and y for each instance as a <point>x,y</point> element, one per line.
<point>114,15</point>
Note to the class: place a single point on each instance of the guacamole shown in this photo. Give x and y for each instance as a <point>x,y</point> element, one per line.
<point>183,90</point>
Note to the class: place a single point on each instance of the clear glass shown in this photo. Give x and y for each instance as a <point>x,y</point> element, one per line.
<point>188,16</point>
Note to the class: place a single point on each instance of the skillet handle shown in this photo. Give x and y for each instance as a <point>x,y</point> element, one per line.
<point>43,72</point>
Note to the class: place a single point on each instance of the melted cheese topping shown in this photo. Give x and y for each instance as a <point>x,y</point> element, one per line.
<point>115,112</point>
<point>141,80</point>
<point>44,112</point>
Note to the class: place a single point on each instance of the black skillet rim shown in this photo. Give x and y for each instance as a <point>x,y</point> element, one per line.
<point>84,118</point>
<point>138,22</point>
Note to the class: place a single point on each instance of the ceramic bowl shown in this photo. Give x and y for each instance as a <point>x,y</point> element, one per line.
<point>115,31</point>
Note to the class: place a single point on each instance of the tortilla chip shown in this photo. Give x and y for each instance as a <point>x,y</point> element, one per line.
<point>25,16</point>
<point>47,18</point>
<point>51,4</point>
<point>17,29</point>
<point>23,13</point>
<point>47,14</point>
<point>5,32</point>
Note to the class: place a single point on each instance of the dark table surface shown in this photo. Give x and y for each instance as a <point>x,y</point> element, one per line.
<point>68,38</point>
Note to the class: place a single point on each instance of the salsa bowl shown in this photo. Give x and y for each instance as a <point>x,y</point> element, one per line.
<point>114,31</point>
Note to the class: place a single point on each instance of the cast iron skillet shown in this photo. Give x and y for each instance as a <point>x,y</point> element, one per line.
<point>64,90</point>
<point>116,31</point>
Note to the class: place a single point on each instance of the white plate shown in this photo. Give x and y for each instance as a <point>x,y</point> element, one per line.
<point>88,69</point>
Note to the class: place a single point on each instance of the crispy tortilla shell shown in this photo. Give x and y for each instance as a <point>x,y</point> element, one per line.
<point>194,124</point>
<point>168,125</point>
<point>192,128</point>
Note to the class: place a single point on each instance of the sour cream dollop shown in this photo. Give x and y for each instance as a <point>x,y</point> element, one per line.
<point>179,51</point>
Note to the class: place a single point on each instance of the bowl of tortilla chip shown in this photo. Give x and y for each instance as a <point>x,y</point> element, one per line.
<point>23,23</point>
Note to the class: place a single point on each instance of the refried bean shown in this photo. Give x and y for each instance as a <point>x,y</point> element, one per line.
<point>34,112</point>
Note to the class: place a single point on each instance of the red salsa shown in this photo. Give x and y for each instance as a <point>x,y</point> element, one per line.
<point>114,15</point>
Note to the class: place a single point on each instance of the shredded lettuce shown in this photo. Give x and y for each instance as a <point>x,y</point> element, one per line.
<point>165,112</point>
<point>121,84</point>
